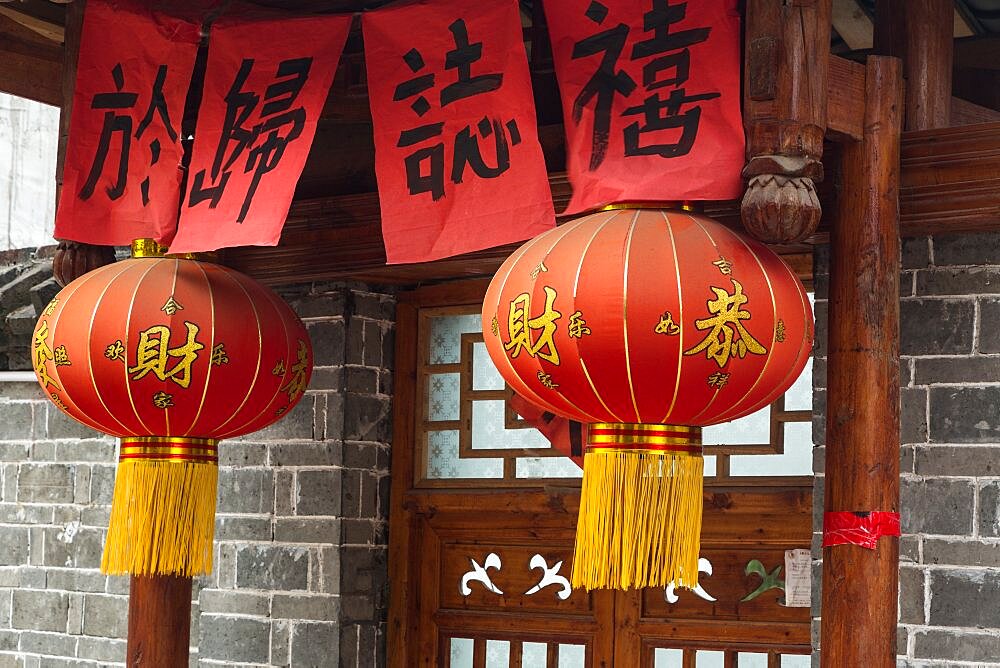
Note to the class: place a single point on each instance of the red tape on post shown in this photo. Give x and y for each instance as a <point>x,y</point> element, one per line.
<point>858,528</point>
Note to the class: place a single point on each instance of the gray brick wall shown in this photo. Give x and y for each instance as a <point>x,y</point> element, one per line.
<point>300,556</point>
<point>949,576</point>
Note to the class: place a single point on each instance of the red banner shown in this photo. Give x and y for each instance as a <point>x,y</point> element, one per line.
<point>458,162</point>
<point>265,86</point>
<point>121,179</point>
<point>651,99</point>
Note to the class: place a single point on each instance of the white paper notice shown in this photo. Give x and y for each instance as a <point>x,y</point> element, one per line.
<point>798,578</point>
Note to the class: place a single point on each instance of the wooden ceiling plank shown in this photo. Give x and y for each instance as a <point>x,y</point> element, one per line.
<point>50,31</point>
<point>852,24</point>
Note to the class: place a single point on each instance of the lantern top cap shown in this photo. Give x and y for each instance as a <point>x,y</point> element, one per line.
<point>686,205</point>
<point>150,248</point>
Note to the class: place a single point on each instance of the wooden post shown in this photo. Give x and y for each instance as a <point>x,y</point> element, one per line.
<point>860,586</point>
<point>921,33</point>
<point>786,69</point>
<point>159,622</point>
<point>73,259</point>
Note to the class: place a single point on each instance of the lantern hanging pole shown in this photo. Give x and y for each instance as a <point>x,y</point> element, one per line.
<point>159,621</point>
<point>862,434</point>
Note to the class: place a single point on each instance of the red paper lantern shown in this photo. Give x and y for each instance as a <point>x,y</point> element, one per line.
<point>170,355</point>
<point>633,319</point>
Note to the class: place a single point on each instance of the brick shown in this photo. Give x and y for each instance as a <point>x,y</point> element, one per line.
<point>367,418</point>
<point>73,546</point>
<point>105,616</point>
<point>283,487</point>
<point>316,645</point>
<point>989,509</point>
<point>964,598</point>
<point>334,416</point>
<point>909,548</point>
<point>369,494</point>
<point>234,639</point>
<point>329,571</point>
<point>13,418</point>
<point>360,455</point>
<point>296,425</point>
<point>821,328</point>
<point>911,596</point>
<point>354,352</point>
<point>272,567</point>
<point>102,484</point>
<point>320,306</point>
<point>962,552</point>
<point>989,326</point>
<point>242,454</point>
<point>939,506</point>
<point>966,369</point>
<point>360,379</point>
<point>47,643</point>
<point>320,608</point>
<point>317,492</point>
<point>86,450</point>
<point>328,342</point>
<point>965,414</point>
<point>327,378</point>
<point>306,453</point>
<point>75,579</point>
<point>357,532</point>
<point>915,252</point>
<point>39,610</point>
<point>362,571</point>
<point>966,281</point>
<point>936,326</point>
<point>956,646</point>
<point>373,343</point>
<point>960,249</point>
<point>14,452</point>
<point>307,530</point>
<point>218,601</point>
<point>105,650</point>
<point>13,546</point>
<point>944,460</point>
<point>246,490</point>
<point>59,426</point>
<point>281,638</point>
<point>45,483</point>
<point>242,528</point>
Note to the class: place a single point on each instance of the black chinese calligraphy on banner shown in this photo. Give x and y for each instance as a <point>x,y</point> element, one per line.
<point>651,99</point>
<point>121,179</point>
<point>265,87</point>
<point>457,157</point>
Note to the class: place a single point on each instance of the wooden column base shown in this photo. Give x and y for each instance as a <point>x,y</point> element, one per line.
<point>159,622</point>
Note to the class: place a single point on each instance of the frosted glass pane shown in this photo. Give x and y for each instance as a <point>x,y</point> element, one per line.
<point>709,465</point>
<point>443,396</point>
<point>796,661</point>
<point>488,430</point>
<point>799,395</point>
<point>446,336</point>
<point>484,374</point>
<point>547,467</point>
<point>754,428</point>
<point>706,659</point>
<point>751,660</point>
<point>443,461</point>
<point>572,656</point>
<point>796,460</point>
<point>668,658</point>
<point>461,652</point>
<point>533,654</point>
<point>497,654</point>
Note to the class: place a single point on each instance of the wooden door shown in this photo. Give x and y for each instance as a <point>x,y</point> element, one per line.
<point>484,513</point>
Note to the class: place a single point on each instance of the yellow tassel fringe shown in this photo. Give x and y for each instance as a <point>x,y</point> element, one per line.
<point>640,520</point>
<point>162,519</point>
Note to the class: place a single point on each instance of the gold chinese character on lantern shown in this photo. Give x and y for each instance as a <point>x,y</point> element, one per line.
<point>297,384</point>
<point>538,268</point>
<point>50,309</point>
<point>163,400</point>
<point>577,327</point>
<point>116,351</point>
<point>43,353</point>
<point>779,331</point>
<point>546,380</point>
<point>219,355</point>
<point>171,307</point>
<point>495,327</point>
<point>153,354</point>
<point>533,335</point>
<point>718,380</point>
<point>728,336</point>
<point>724,265</point>
<point>279,368</point>
<point>61,357</point>
<point>666,325</point>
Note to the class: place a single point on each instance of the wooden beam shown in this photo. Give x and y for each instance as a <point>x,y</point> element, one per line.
<point>50,31</point>
<point>32,65</point>
<point>921,33</point>
<point>862,453</point>
<point>852,24</point>
<point>845,116</point>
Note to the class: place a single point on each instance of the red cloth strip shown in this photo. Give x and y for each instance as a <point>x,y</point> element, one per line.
<point>858,528</point>
<point>644,446</point>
